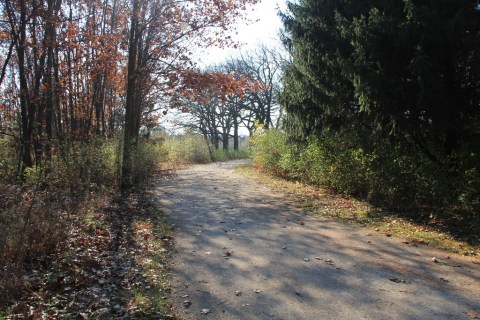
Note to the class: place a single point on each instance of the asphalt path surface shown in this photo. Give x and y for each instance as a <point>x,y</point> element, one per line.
<point>243,251</point>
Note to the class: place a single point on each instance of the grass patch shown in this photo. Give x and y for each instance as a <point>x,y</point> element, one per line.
<point>326,203</point>
<point>225,155</point>
<point>413,233</point>
<point>194,149</point>
<point>153,238</point>
<point>3,315</point>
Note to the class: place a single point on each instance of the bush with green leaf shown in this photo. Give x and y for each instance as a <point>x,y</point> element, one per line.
<point>187,148</point>
<point>220,155</point>
<point>268,148</point>
<point>379,171</point>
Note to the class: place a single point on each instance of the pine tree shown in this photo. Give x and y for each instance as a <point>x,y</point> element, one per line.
<point>405,69</point>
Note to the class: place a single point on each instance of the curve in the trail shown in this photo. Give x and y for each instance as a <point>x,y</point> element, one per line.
<point>244,253</point>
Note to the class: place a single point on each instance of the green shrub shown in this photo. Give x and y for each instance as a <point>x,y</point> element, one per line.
<point>268,148</point>
<point>148,156</point>
<point>381,172</point>
<point>469,183</point>
<point>188,148</point>
<point>81,165</point>
<point>225,155</point>
<point>7,159</point>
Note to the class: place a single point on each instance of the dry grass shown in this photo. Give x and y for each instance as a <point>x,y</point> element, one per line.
<point>33,223</point>
<point>153,236</point>
<point>39,213</point>
<point>112,262</point>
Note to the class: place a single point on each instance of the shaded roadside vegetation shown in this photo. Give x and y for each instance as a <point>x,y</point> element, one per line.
<point>381,103</point>
<point>396,193</point>
<point>74,245</point>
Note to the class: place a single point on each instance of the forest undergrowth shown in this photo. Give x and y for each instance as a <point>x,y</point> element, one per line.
<point>74,245</point>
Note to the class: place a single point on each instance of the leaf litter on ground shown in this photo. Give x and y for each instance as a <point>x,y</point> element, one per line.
<point>106,269</point>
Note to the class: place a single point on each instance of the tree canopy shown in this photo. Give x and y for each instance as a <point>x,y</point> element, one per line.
<point>405,69</point>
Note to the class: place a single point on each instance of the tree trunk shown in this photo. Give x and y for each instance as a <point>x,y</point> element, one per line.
<point>27,112</point>
<point>235,133</point>
<point>225,138</point>
<point>129,141</point>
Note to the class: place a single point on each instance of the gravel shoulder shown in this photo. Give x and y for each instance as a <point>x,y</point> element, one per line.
<point>244,252</point>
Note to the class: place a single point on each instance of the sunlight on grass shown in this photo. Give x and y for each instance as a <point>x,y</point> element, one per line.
<point>413,234</point>
<point>153,235</point>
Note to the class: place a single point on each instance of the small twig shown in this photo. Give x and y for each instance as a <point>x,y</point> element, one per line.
<point>9,134</point>
<point>222,302</point>
<point>298,298</point>
<point>203,291</point>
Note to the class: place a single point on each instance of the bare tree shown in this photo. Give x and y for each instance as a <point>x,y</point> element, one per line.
<point>263,67</point>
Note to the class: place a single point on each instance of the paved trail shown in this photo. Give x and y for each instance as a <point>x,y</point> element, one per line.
<point>244,253</point>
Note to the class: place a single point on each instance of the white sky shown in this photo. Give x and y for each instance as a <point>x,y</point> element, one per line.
<point>250,35</point>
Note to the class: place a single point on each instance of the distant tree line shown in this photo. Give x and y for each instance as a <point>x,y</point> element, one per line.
<point>241,92</point>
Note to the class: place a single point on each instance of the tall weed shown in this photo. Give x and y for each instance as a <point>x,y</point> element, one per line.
<point>188,148</point>
<point>226,155</point>
<point>148,156</point>
<point>36,211</point>
<point>193,148</point>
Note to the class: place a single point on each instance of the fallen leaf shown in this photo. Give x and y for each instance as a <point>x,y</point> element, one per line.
<point>473,314</point>
<point>434,260</point>
<point>257,290</point>
<point>396,280</point>
<point>306,259</point>
<point>208,253</point>
<point>187,303</point>
<point>206,311</point>
<point>238,293</point>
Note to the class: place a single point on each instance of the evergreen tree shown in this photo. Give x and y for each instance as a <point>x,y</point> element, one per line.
<point>416,70</point>
<point>408,69</point>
